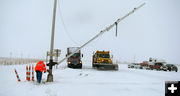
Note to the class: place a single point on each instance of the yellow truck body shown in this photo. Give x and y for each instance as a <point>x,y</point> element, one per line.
<point>102,60</point>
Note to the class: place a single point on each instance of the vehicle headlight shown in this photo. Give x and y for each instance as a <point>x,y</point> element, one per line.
<point>80,62</point>
<point>69,62</point>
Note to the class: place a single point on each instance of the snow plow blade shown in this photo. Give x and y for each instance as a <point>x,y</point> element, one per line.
<point>103,66</point>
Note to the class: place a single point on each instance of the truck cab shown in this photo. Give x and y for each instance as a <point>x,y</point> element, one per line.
<point>102,57</point>
<point>75,60</point>
<point>102,60</point>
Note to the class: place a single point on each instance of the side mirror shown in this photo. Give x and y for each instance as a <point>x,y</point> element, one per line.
<point>82,55</point>
<point>66,55</point>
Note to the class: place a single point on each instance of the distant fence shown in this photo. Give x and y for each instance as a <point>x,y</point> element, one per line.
<point>15,61</point>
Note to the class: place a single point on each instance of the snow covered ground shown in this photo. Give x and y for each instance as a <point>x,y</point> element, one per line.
<point>87,82</point>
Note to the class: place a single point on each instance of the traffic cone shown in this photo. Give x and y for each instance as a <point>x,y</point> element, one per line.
<point>27,72</point>
<point>32,72</point>
<point>17,75</point>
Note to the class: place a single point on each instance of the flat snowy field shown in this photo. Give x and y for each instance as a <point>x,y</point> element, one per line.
<point>87,82</point>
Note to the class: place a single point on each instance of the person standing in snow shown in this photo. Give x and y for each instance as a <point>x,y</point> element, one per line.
<point>40,67</point>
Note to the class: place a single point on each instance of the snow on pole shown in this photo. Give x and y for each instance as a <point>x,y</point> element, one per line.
<point>17,75</point>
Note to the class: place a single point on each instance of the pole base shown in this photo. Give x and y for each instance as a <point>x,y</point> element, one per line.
<point>50,78</point>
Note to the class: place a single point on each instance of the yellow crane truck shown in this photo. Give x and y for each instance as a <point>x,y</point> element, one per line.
<point>102,60</point>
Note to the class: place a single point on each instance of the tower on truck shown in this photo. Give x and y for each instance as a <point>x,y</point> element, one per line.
<point>74,61</point>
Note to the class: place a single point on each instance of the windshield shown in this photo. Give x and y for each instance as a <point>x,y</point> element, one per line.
<point>159,64</point>
<point>103,55</point>
<point>170,65</point>
<point>75,55</point>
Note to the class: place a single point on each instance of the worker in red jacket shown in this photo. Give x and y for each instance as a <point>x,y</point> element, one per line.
<point>40,67</point>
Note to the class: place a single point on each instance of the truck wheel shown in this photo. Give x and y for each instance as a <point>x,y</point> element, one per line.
<point>68,65</point>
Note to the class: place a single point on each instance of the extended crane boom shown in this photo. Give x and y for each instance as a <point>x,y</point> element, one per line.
<point>103,31</point>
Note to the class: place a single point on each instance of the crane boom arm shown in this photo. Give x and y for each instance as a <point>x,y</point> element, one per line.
<point>103,31</point>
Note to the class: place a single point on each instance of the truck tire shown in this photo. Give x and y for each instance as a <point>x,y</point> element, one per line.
<point>80,67</point>
<point>94,65</point>
<point>169,69</point>
<point>69,66</point>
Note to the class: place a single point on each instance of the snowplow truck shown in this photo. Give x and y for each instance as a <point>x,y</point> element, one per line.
<point>101,60</point>
<point>75,60</point>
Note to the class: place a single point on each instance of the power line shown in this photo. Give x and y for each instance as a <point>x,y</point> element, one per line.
<point>65,28</point>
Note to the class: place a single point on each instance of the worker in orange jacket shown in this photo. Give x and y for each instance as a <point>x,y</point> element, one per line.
<point>40,67</point>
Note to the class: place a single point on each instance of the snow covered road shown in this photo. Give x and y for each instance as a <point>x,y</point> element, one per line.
<point>87,82</point>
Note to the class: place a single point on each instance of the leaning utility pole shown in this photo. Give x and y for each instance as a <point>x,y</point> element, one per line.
<point>105,30</point>
<point>51,63</point>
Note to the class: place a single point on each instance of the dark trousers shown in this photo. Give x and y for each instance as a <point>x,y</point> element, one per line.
<point>38,76</point>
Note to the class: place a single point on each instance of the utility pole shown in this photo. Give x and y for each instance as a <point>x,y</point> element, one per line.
<point>51,63</point>
<point>103,31</point>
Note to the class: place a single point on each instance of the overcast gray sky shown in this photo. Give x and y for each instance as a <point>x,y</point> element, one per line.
<point>152,31</point>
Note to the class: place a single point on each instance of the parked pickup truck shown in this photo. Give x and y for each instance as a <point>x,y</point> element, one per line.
<point>135,65</point>
<point>171,67</point>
